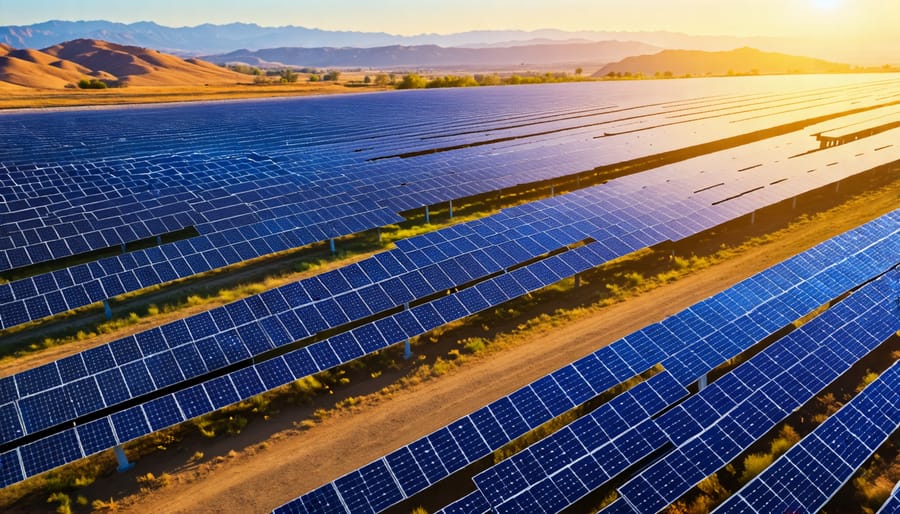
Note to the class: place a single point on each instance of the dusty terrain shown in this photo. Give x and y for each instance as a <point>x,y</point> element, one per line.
<point>259,477</point>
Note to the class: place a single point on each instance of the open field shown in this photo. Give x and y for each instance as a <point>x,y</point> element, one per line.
<point>25,98</point>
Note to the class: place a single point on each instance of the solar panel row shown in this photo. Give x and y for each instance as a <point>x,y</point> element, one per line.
<point>608,214</point>
<point>806,477</point>
<point>737,302</point>
<point>472,503</point>
<point>262,231</point>
<point>715,425</point>
<point>139,365</point>
<point>762,392</point>
<point>629,412</point>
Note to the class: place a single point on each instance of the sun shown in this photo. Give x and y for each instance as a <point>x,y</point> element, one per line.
<point>826,5</point>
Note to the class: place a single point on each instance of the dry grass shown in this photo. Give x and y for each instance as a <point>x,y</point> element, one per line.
<point>24,98</point>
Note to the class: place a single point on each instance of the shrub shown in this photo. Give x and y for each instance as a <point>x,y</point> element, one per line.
<point>91,84</point>
<point>475,345</point>
<point>754,464</point>
<point>412,81</point>
<point>111,505</point>
<point>64,502</point>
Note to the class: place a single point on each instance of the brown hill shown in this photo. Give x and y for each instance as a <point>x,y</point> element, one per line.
<point>738,61</point>
<point>65,64</point>
<point>29,73</point>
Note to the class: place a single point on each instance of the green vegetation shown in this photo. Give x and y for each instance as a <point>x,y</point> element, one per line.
<point>416,81</point>
<point>245,69</point>
<point>92,84</point>
<point>288,76</point>
<point>755,463</point>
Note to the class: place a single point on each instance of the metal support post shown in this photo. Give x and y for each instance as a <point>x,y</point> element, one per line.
<point>552,190</point>
<point>123,248</point>
<point>427,216</point>
<point>159,240</point>
<point>451,209</point>
<point>124,465</point>
<point>578,280</point>
<point>331,243</point>
<point>701,383</point>
<point>794,203</point>
<point>107,309</point>
<point>407,350</point>
<point>379,234</point>
<point>837,186</point>
<point>753,217</point>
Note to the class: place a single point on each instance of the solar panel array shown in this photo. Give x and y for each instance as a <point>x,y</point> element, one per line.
<point>808,475</point>
<point>686,199</point>
<point>270,192</point>
<point>808,280</point>
<point>136,366</point>
<point>762,392</point>
<point>272,197</point>
<point>139,365</point>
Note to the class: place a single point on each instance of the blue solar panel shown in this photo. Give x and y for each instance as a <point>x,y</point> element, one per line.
<point>219,207</point>
<point>815,468</point>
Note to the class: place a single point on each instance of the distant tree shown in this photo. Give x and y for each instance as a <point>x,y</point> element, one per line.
<point>367,80</point>
<point>412,81</point>
<point>667,74</point>
<point>332,75</point>
<point>578,71</point>
<point>244,68</point>
<point>382,80</point>
<point>91,84</point>
<point>289,75</point>
<point>488,80</point>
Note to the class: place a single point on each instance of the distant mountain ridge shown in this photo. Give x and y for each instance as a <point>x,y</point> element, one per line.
<point>738,61</point>
<point>65,64</point>
<point>433,56</point>
<point>211,39</point>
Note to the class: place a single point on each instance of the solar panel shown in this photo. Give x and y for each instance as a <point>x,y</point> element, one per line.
<point>581,381</point>
<point>647,491</point>
<point>173,354</point>
<point>812,471</point>
<point>246,207</point>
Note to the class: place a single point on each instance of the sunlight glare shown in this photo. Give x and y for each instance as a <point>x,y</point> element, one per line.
<point>826,5</point>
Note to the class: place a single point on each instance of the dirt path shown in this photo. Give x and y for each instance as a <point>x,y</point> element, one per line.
<point>295,462</point>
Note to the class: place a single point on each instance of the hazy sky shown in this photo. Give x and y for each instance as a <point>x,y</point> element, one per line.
<point>832,18</point>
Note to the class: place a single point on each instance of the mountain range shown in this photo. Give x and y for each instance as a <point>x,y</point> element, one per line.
<point>738,61</point>
<point>561,55</point>
<point>210,39</point>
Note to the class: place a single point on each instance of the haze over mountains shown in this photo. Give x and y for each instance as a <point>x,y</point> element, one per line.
<point>738,61</point>
<point>210,39</point>
<point>564,55</point>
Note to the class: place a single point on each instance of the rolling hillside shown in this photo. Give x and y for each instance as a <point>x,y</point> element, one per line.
<point>738,61</point>
<point>65,64</point>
